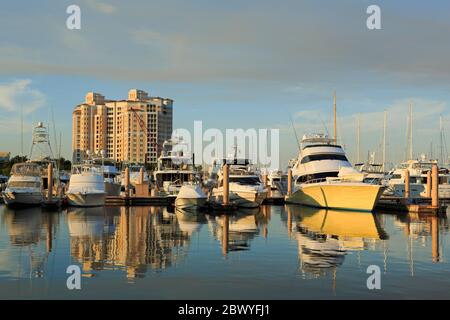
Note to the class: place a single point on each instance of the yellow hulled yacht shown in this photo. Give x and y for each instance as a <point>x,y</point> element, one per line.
<point>323,177</point>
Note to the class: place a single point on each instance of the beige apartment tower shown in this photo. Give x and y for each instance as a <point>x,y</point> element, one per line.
<point>130,131</point>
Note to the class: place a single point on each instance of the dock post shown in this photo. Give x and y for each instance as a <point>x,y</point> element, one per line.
<point>407,194</point>
<point>127,182</point>
<point>226,185</point>
<point>289,186</point>
<point>435,238</point>
<point>435,186</point>
<point>50,182</point>
<point>141,176</point>
<point>429,184</point>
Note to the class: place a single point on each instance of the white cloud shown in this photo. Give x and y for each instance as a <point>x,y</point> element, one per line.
<point>18,94</point>
<point>101,7</point>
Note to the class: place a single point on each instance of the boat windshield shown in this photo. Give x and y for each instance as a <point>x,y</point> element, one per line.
<point>252,181</point>
<point>24,184</point>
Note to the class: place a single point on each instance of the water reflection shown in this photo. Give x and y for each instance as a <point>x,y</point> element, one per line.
<point>135,239</point>
<point>32,231</point>
<point>236,231</point>
<point>325,236</point>
<point>136,242</point>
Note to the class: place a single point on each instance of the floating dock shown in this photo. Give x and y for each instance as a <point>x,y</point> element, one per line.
<point>416,205</point>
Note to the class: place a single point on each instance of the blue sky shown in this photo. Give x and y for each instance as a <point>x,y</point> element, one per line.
<point>233,64</point>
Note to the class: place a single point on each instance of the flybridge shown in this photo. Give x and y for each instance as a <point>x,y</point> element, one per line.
<point>317,138</point>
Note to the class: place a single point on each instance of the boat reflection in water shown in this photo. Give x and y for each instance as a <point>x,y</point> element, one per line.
<point>237,230</point>
<point>133,239</point>
<point>325,236</point>
<point>33,230</point>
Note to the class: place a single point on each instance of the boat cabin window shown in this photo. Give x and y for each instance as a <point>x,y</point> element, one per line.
<point>317,176</point>
<point>253,181</point>
<point>24,184</point>
<point>319,157</point>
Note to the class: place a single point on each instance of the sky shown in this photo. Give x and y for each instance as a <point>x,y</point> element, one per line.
<point>234,64</point>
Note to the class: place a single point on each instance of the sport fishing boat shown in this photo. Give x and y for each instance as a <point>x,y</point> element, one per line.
<point>246,189</point>
<point>325,178</point>
<point>418,170</point>
<point>24,187</point>
<point>174,170</point>
<point>86,185</point>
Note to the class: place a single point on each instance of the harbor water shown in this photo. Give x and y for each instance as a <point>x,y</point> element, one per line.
<point>274,252</point>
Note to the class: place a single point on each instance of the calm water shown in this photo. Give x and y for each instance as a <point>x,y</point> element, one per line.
<point>272,253</point>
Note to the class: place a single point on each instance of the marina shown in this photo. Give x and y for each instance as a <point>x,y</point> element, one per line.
<point>224,151</point>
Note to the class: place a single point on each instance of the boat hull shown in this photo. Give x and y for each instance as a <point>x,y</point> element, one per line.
<point>351,196</point>
<point>243,199</point>
<point>190,203</point>
<point>86,199</point>
<point>22,198</point>
<point>112,189</point>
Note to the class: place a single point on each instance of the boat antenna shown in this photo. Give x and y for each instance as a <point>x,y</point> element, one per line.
<point>384,139</point>
<point>295,132</point>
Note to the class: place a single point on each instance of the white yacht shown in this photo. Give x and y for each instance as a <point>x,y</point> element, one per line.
<point>277,181</point>
<point>190,196</point>
<point>245,186</point>
<point>418,170</point>
<point>325,178</point>
<point>24,186</point>
<point>86,185</point>
<point>174,170</point>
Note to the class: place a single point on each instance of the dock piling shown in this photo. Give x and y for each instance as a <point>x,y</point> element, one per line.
<point>50,182</point>
<point>435,186</point>
<point>226,185</point>
<point>127,182</point>
<point>407,193</point>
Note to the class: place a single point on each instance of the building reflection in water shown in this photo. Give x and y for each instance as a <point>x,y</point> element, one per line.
<point>133,238</point>
<point>34,230</point>
<point>325,237</point>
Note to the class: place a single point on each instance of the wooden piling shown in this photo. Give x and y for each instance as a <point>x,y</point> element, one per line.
<point>429,184</point>
<point>289,186</point>
<point>289,221</point>
<point>141,176</point>
<point>50,182</point>
<point>226,185</point>
<point>127,182</point>
<point>407,193</point>
<point>435,186</point>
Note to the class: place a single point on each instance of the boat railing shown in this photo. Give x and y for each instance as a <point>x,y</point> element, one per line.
<point>338,180</point>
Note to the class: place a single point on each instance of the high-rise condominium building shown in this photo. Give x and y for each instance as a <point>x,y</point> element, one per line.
<point>131,130</point>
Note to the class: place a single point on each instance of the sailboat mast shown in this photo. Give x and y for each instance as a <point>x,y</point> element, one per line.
<point>358,139</point>
<point>384,140</point>
<point>441,136</point>
<point>410,131</point>
<point>335,117</point>
<point>21,131</point>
